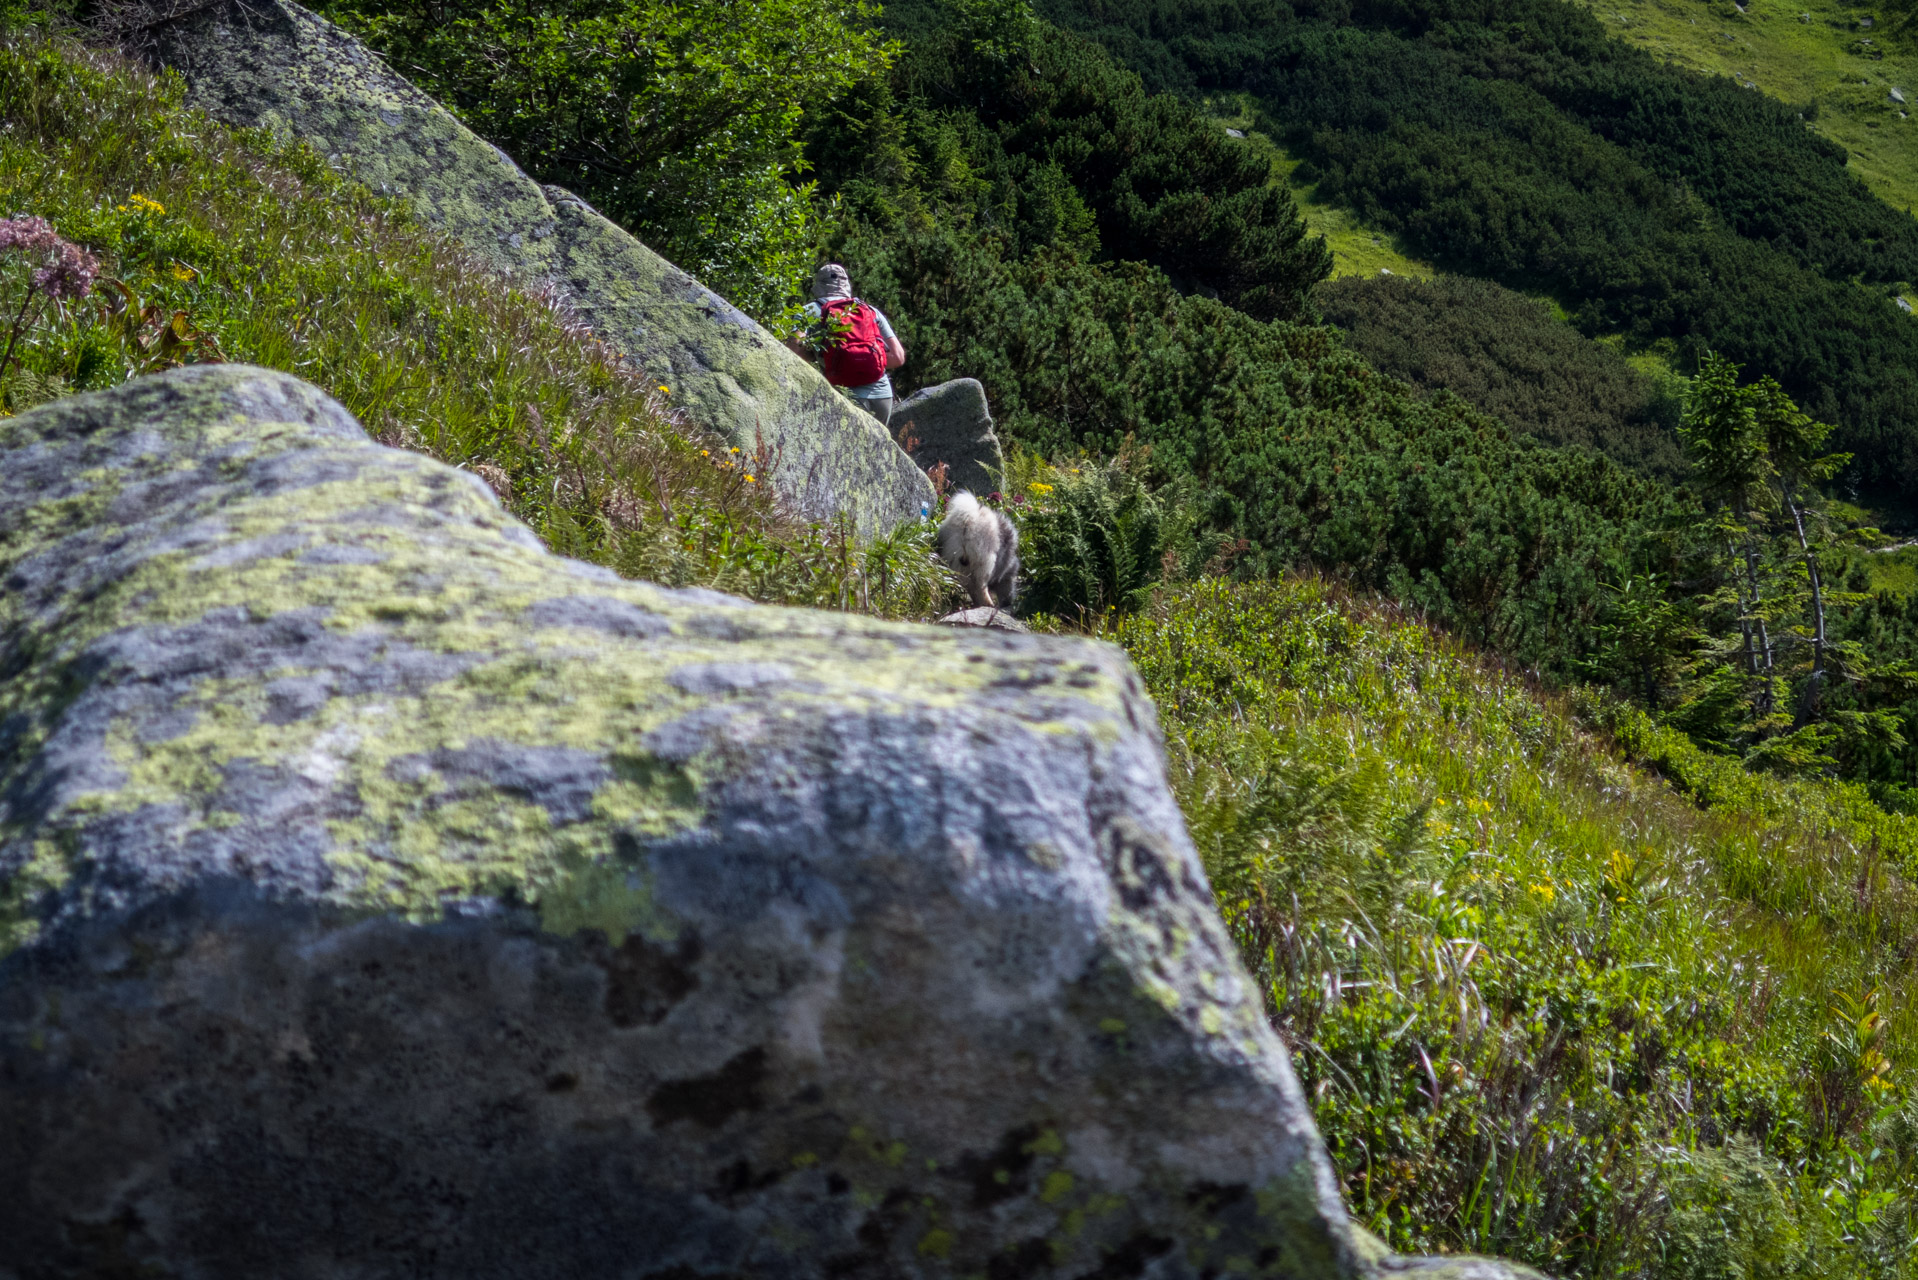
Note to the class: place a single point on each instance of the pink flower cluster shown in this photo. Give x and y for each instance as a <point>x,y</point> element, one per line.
<point>67,271</point>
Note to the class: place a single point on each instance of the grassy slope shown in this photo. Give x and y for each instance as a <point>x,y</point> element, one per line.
<point>285,264</point>
<point>1357,250</point>
<point>1800,62</point>
<point>1549,1007</point>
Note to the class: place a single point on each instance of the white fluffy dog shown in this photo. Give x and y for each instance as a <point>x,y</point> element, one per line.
<point>981,546</point>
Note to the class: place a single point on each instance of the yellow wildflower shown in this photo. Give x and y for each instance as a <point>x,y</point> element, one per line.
<point>665,390</point>
<point>750,480</point>
<point>145,205</point>
<point>1036,487</point>
<point>183,272</point>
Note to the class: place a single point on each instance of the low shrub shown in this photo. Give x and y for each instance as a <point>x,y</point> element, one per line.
<point>1095,539</point>
<point>1508,355</point>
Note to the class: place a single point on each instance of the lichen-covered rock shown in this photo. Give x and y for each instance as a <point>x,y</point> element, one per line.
<point>381,895</point>
<point>997,619</point>
<point>272,63</point>
<point>950,423</point>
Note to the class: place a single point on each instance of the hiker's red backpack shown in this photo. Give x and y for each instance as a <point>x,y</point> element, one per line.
<point>858,358</point>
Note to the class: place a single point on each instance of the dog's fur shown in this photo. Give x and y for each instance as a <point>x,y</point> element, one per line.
<point>982,548</point>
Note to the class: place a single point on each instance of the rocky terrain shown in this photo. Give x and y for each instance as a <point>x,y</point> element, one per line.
<point>274,64</point>
<point>387,896</point>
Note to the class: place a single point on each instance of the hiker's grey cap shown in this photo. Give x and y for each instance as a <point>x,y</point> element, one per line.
<point>831,281</point>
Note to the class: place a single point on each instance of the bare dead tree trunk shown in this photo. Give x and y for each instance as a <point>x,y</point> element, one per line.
<point>1815,687</point>
<point>1744,612</point>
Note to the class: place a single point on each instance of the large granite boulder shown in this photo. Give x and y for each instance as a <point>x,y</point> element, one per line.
<point>950,423</point>
<point>381,895</point>
<point>272,63</point>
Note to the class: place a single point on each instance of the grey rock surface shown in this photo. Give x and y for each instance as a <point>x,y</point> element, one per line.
<point>381,895</point>
<point>272,63</point>
<point>997,619</point>
<point>951,423</point>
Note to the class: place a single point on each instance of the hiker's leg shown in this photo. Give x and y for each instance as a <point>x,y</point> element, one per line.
<point>879,407</point>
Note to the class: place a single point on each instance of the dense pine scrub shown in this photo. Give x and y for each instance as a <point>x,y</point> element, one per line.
<point>217,244</point>
<point>1280,436</point>
<point>1546,1007</point>
<point>1508,355</point>
<point>1522,144</point>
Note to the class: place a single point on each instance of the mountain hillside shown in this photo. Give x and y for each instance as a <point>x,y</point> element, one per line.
<point>1836,63</point>
<point>1550,757</point>
<point>1522,143</point>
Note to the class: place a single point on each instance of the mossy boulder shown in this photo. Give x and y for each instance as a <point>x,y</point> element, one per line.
<point>950,424</point>
<point>273,64</point>
<point>381,895</point>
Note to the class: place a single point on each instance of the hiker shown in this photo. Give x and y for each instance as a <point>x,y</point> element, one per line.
<point>859,360</point>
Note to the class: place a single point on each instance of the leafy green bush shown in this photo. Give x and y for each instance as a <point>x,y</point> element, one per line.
<point>269,257</point>
<point>1063,147</point>
<point>679,122</point>
<point>1544,1006</point>
<point>1093,539</point>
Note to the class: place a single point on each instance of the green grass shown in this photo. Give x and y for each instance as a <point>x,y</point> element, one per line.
<point>1357,250</point>
<point>1591,999</point>
<point>1893,569</point>
<point>1810,64</point>
<point>283,263</point>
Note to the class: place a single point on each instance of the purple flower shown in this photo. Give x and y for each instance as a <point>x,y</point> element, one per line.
<point>27,234</point>
<point>70,275</point>
<point>66,272</point>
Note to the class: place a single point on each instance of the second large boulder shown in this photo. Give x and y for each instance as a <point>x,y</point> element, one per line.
<point>274,64</point>
<point>950,425</point>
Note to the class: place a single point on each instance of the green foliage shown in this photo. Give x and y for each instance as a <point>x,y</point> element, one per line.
<point>1508,355</point>
<point>1058,147</point>
<point>1094,540</point>
<point>678,121</point>
<point>1545,1007</point>
<point>1520,143</point>
<point>1722,433</point>
<point>1758,460</point>
<point>272,259</point>
<point>1285,439</point>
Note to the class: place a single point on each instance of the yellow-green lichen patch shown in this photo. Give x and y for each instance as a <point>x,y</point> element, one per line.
<point>46,871</point>
<point>428,599</point>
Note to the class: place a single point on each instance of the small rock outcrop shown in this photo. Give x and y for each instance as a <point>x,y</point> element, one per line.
<point>272,63</point>
<point>950,423</point>
<point>996,619</point>
<point>381,895</point>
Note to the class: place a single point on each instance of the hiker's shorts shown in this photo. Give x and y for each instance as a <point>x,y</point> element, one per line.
<point>879,407</point>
